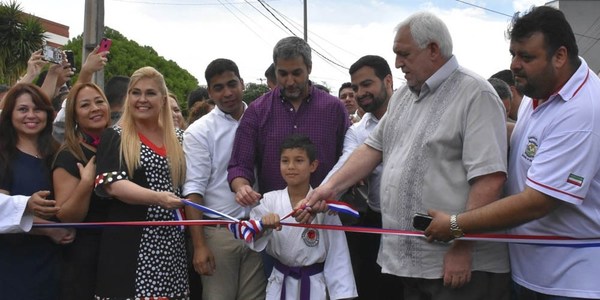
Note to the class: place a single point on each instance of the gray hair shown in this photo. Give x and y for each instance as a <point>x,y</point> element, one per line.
<point>426,28</point>
<point>502,88</point>
<point>292,47</point>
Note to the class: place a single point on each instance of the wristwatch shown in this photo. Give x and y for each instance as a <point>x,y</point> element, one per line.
<point>457,232</point>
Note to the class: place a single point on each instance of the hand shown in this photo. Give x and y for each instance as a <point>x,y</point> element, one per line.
<point>61,236</point>
<point>88,173</point>
<point>204,260</point>
<point>168,200</point>
<point>95,61</point>
<point>439,229</point>
<point>457,264</point>
<point>35,64</point>
<point>40,207</point>
<point>246,196</point>
<point>313,203</point>
<point>271,221</point>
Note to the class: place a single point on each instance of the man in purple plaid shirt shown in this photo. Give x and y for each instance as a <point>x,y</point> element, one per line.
<point>295,106</point>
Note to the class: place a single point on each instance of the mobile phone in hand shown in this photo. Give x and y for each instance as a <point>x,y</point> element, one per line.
<point>421,221</point>
<point>105,45</point>
<point>71,59</point>
<point>51,54</point>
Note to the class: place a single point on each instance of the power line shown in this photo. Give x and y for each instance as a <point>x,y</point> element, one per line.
<point>258,35</point>
<point>180,4</point>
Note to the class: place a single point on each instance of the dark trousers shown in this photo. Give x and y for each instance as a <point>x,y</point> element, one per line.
<point>523,293</point>
<point>364,248</point>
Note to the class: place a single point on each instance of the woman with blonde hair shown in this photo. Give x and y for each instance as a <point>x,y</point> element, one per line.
<point>140,163</point>
<point>87,115</point>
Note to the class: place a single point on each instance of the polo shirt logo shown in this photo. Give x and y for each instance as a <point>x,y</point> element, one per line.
<point>575,179</point>
<point>531,149</point>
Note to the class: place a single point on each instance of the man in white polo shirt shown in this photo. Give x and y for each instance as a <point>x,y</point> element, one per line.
<point>554,164</point>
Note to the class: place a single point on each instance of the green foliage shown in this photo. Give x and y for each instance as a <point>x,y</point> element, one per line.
<point>126,56</point>
<point>20,35</point>
<point>253,91</point>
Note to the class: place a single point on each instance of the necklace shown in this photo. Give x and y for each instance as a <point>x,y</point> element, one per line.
<point>30,153</point>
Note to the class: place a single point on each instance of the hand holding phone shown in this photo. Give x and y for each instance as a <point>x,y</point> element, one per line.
<point>70,59</point>
<point>421,221</point>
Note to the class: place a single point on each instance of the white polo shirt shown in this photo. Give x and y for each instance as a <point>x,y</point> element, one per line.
<point>555,149</point>
<point>207,145</point>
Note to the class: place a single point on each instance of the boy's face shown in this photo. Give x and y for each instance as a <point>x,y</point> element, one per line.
<point>296,167</point>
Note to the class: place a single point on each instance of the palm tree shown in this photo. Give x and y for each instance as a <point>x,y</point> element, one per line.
<point>20,35</point>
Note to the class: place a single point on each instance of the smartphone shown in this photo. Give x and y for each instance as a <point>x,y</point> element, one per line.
<point>105,45</point>
<point>70,59</point>
<point>421,221</point>
<point>51,54</point>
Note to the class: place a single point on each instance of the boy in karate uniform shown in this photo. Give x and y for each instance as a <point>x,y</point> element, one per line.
<point>310,263</point>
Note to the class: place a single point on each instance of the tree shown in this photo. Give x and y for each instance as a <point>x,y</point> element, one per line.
<point>126,56</point>
<point>20,35</point>
<point>253,91</point>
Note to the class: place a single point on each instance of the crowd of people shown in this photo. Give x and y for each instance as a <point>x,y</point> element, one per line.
<point>516,153</point>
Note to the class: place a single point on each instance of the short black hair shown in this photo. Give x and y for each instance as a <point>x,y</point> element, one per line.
<point>506,76</point>
<point>199,94</point>
<point>116,89</point>
<point>270,73</point>
<point>553,24</point>
<point>220,66</point>
<point>378,63</point>
<point>322,87</point>
<point>345,85</point>
<point>298,141</point>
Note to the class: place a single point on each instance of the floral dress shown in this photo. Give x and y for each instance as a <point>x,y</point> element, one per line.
<point>139,262</point>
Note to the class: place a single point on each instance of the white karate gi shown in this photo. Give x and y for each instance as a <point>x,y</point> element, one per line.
<point>12,214</point>
<point>289,247</point>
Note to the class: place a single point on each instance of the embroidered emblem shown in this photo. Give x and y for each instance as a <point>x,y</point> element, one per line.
<point>575,180</point>
<point>310,237</point>
<point>531,149</point>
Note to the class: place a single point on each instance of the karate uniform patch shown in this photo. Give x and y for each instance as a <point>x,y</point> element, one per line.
<point>310,236</point>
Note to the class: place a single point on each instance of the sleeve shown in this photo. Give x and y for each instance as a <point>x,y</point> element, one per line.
<point>375,139</point>
<point>338,268</point>
<point>484,141</point>
<point>350,143</point>
<point>343,126</point>
<point>12,214</point>
<point>566,161</point>
<point>66,160</point>
<point>109,168</point>
<point>244,151</point>
<point>198,159</point>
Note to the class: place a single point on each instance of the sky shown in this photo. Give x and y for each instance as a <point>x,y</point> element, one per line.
<point>194,32</point>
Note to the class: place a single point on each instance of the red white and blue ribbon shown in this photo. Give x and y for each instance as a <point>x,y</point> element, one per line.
<point>337,206</point>
<point>179,215</point>
<point>543,240</point>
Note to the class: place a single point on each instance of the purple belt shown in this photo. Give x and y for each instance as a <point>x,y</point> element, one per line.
<point>302,273</point>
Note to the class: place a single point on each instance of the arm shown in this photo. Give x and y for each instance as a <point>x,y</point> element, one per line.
<point>35,64</point>
<point>94,63</point>
<point>505,213</point>
<point>204,260</point>
<point>131,193</point>
<point>457,261</point>
<point>240,171</point>
<point>57,75</point>
<point>360,164</point>
<point>73,194</point>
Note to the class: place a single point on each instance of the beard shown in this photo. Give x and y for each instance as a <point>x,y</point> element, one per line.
<point>376,101</point>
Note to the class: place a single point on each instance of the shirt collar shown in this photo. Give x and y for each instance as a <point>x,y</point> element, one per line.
<point>575,83</point>
<point>436,80</point>
<point>223,114</point>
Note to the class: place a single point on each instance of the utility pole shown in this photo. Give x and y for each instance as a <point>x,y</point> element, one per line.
<point>93,31</point>
<point>305,22</point>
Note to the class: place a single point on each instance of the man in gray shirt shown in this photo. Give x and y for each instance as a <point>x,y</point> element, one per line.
<point>443,144</point>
